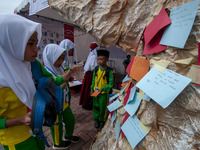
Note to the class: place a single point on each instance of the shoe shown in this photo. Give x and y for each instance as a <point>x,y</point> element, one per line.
<point>101,125</point>
<point>96,124</point>
<point>74,139</point>
<point>63,145</point>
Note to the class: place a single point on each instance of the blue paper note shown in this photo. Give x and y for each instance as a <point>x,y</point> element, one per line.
<point>182,18</point>
<point>113,97</point>
<point>126,78</point>
<point>163,87</point>
<point>133,105</point>
<point>146,97</point>
<point>113,116</point>
<point>132,93</point>
<point>117,129</point>
<point>116,104</point>
<point>134,130</point>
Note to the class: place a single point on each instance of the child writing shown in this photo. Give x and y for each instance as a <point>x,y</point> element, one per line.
<point>102,81</point>
<point>17,88</point>
<point>53,57</point>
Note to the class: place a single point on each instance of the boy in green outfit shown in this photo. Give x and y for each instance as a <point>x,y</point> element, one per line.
<point>102,81</point>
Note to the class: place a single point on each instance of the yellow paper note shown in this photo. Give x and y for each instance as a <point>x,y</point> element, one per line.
<point>159,68</point>
<point>145,128</point>
<point>140,94</point>
<point>194,74</point>
<point>186,61</point>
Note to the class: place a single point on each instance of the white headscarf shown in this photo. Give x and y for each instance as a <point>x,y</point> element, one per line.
<point>67,44</point>
<point>50,54</point>
<point>15,73</point>
<point>91,62</point>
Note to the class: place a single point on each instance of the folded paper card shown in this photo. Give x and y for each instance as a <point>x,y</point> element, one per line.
<point>182,18</point>
<point>132,106</point>
<point>194,74</point>
<point>128,69</point>
<point>154,31</point>
<point>95,94</point>
<point>139,68</point>
<point>134,130</point>
<point>117,129</point>
<point>163,87</point>
<point>114,97</point>
<point>113,116</point>
<point>116,104</point>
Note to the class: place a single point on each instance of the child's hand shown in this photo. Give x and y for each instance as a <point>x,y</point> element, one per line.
<point>91,92</point>
<point>67,75</point>
<point>26,119</point>
<point>64,85</point>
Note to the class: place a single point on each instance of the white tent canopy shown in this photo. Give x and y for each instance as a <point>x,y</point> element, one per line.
<point>41,9</point>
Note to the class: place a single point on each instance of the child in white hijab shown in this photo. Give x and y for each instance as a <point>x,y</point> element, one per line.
<point>91,63</point>
<point>68,45</point>
<point>18,47</point>
<point>53,57</point>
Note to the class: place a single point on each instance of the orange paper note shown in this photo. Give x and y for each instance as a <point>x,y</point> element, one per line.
<point>129,83</point>
<point>123,84</point>
<point>95,94</point>
<point>139,68</point>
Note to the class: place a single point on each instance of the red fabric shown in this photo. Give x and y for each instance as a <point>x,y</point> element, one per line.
<point>124,120</point>
<point>85,98</point>
<point>93,46</point>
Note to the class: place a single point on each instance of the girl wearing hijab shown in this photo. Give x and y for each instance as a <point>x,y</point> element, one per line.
<point>91,63</point>
<point>53,57</point>
<point>68,45</point>
<point>17,88</point>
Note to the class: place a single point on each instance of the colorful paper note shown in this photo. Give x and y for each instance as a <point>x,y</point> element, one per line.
<point>128,69</point>
<point>126,79</point>
<point>139,68</point>
<point>132,93</point>
<point>163,87</point>
<point>132,106</point>
<point>186,61</point>
<point>182,18</point>
<point>134,130</point>
<point>116,104</point>
<point>95,94</point>
<point>117,129</point>
<point>154,31</point>
<point>128,85</point>
<point>124,120</point>
<point>194,74</point>
<point>159,64</point>
<point>113,116</point>
<point>114,97</point>
<point>127,95</point>
<point>146,97</point>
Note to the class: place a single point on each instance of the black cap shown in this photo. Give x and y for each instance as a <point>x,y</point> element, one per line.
<point>103,52</point>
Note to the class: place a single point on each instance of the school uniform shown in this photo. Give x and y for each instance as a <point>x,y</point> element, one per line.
<point>100,102</point>
<point>50,54</point>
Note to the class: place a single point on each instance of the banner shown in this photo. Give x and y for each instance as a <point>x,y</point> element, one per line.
<point>69,34</point>
<point>37,5</point>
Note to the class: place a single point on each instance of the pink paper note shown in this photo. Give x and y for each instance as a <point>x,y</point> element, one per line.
<point>128,69</point>
<point>154,31</point>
